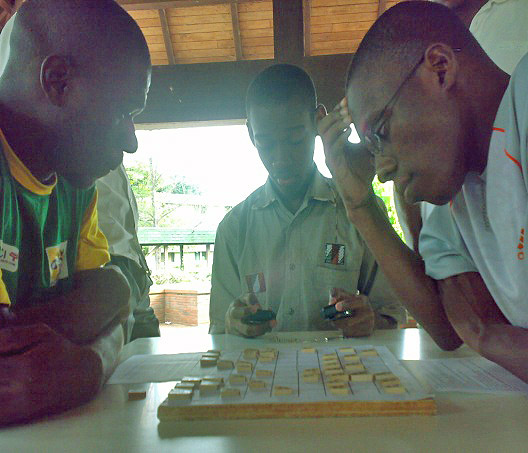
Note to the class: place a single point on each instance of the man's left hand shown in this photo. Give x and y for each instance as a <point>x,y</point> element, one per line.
<point>362,322</point>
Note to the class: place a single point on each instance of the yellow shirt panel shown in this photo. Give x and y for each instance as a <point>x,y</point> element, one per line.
<point>92,250</point>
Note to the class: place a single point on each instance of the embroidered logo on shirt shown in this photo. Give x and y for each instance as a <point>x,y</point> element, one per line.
<point>335,254</point>
<point>256,283</point>
<point>520,246</point>
<point>8,257</point>
<point>58,265</point>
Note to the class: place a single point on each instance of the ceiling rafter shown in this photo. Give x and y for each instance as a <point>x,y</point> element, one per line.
<point>236,30</point>
<point>382,6</point>
<point>167,36</point>
<point>133,5</point>
<point>307,30</point>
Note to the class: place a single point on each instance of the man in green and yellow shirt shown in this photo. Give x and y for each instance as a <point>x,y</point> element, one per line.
<point>64,123</point>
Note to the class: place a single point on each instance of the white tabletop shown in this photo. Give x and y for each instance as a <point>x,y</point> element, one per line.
<point>465,422</point>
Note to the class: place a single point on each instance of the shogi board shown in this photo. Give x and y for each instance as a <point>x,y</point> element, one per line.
<point>308,399</point>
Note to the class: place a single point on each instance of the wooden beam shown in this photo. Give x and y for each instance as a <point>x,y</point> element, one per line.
<point>382,6</point>
<point>288,31</point>
<point>236,30</point>
<point>216,91</point>
<point>167,36</point>
<point>307,30</point>
<point>134,5</point>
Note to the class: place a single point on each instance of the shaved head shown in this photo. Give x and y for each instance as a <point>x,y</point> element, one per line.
<point>400,36</point>
<point>87,31</point>
<point>77,73</point>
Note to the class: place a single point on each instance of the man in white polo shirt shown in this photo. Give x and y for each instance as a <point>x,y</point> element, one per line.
<point>449,127</point>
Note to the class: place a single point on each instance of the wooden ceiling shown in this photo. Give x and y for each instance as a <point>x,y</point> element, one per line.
<point>200,31</point>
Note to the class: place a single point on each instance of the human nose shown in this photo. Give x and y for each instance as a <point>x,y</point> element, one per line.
<point>385,167</point>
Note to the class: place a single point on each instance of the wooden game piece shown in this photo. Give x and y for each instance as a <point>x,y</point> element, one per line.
<point>237,379</point>
<point>279,390</point>
<point>273,351</point>
<point>267,359</point>
<point>339,389</point>
<point>264,373</point>
<point>308,350</point>
<point>214,351</point>
<point>333,371</point>
<point>211,355</point>
<point>257,385</point>
<point>384,376</point>
<point>136,394</point>
<point>251,354</point>
<point>338,378</point>
<point>361,377</point>
<point>244,367</point>
<point>331,355</point>
<point>209,387</point>
<point>351,358</point>
<point>354,368</point>
<point>393,383</point>
<point>368,353</point>
<point>330,365</point>
<point>230,393</point>
<point>347,350</point>
<point>218,379</point>
<point>311,371</point>
<point>184,385</point>
<point>195,380</point>
<point>395,390</point>
<point>225,365</point>
<point>311,378</point>
<point>208,362</point>
<point>180,395</point>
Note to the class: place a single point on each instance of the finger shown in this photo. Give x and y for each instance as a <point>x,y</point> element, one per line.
<point>320,112</point>
<point>337,133</point>
<point>349,304</point>
<point>15,339</point>
<point>237,313</point>
<point>325,123</point>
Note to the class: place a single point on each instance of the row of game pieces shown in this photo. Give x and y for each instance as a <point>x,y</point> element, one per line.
<point>212,358</point>
<point>212,385</point>
<point>337,375</point>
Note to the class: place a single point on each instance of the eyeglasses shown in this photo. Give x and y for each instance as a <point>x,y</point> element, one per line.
<point>373,138</point>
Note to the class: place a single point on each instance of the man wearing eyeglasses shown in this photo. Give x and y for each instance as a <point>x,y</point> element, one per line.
<point>449,127</point>
<point>289,247</point>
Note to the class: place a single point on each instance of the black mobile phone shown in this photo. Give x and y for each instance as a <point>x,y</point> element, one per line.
<point>259,317</point>
<point>330,312</point>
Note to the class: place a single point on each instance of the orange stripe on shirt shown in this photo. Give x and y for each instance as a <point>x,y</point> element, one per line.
<point>499,129</point>
<point>509,156</point>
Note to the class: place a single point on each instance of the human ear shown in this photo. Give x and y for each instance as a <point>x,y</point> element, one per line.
<point>55,78</point>
<point>440,61</point>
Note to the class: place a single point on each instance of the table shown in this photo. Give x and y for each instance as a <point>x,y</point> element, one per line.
<point>111,423</point>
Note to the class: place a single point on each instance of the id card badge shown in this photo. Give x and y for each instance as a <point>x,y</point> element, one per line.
<point>335,254</point>
<point>256,283</point>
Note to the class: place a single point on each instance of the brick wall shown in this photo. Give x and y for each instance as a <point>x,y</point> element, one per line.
<point>179,306</point>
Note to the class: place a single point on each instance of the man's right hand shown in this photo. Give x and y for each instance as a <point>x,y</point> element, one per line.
<point>352,166</point>
<point>245,305</point>
<point>42,373</point>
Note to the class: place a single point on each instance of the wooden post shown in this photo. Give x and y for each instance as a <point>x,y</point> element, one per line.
<point>288,31</point>
<point>181,257</point>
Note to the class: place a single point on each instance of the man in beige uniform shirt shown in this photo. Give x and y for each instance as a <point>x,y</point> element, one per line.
<point>288,246</point>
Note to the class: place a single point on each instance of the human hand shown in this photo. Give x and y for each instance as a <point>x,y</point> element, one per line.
<point>352,166</point>
<point>245,305</point>
<point>42,373</point>
<point>362,322</point>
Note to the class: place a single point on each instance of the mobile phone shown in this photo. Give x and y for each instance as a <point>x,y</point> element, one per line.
<point>259,317</point>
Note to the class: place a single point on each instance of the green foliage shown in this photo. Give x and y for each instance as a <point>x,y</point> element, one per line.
<point>384,191</point>
<point>178,276</point>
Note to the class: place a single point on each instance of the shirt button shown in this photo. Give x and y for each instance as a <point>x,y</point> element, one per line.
<point>291,311</point>
<point>292,267</point>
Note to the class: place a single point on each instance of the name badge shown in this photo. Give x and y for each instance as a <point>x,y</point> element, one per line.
<point>335,254</point>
